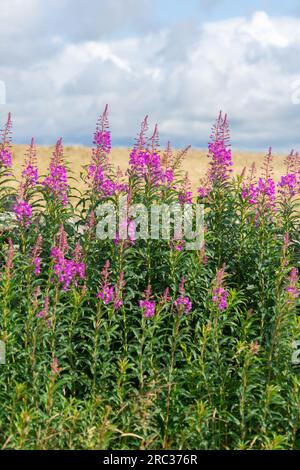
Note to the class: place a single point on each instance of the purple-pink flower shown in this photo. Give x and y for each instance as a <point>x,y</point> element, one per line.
<point>185,195</point>
<point>167,176</point>
<point>177,244</point>
<point>289,185</point>
<point>109,293</point>
<point>55,369</point>
<point>262,194</point>
<point>44,312</point>
<point>102,140</point>
<point>5,158</point>
<point>126,233</point>
<point>219,294</point>
<point>183,304</point>
<point>148,307</point>
<point>219,151</point>
<point>56,183</point>
<point>145,159</point>
<point>23,211</point>
<point>292,287</point>
<point>30,172</point>
<point>67,271</point>
<point>97,173</point>
<point>203,192</point>
<point>5,144</point>
<point>146,164</point>
<point>220,298</point>
<point>106,294</point>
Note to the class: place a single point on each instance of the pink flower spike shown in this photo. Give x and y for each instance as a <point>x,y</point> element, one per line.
<point>183,304</point>
<point>219,151</point>
<point>23,211</point>
<point>55,369</point>
<point>56,183</point>
<point>30,173</point>
<point>148,308</point>
<point>44,312</point>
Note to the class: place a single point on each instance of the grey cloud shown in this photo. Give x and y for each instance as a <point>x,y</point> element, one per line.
<point>32,30</point>
<point>180,41</point>
<point>180,76</point>
<point>78,20</point>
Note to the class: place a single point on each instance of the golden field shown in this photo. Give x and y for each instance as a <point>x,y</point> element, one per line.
<point>196,161</point>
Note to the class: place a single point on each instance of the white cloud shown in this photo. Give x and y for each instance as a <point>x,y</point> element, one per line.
<point>264,31</point>
<point>180,77</point>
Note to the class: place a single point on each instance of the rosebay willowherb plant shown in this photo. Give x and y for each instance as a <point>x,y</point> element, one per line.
<point>138,343</point>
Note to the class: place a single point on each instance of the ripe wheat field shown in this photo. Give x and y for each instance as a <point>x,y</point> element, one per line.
<point>196,162</point>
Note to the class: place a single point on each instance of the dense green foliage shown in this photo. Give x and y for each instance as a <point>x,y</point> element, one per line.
<point>83,374</point>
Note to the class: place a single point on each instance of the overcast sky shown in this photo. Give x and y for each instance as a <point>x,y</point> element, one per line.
<point>179,61</point>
